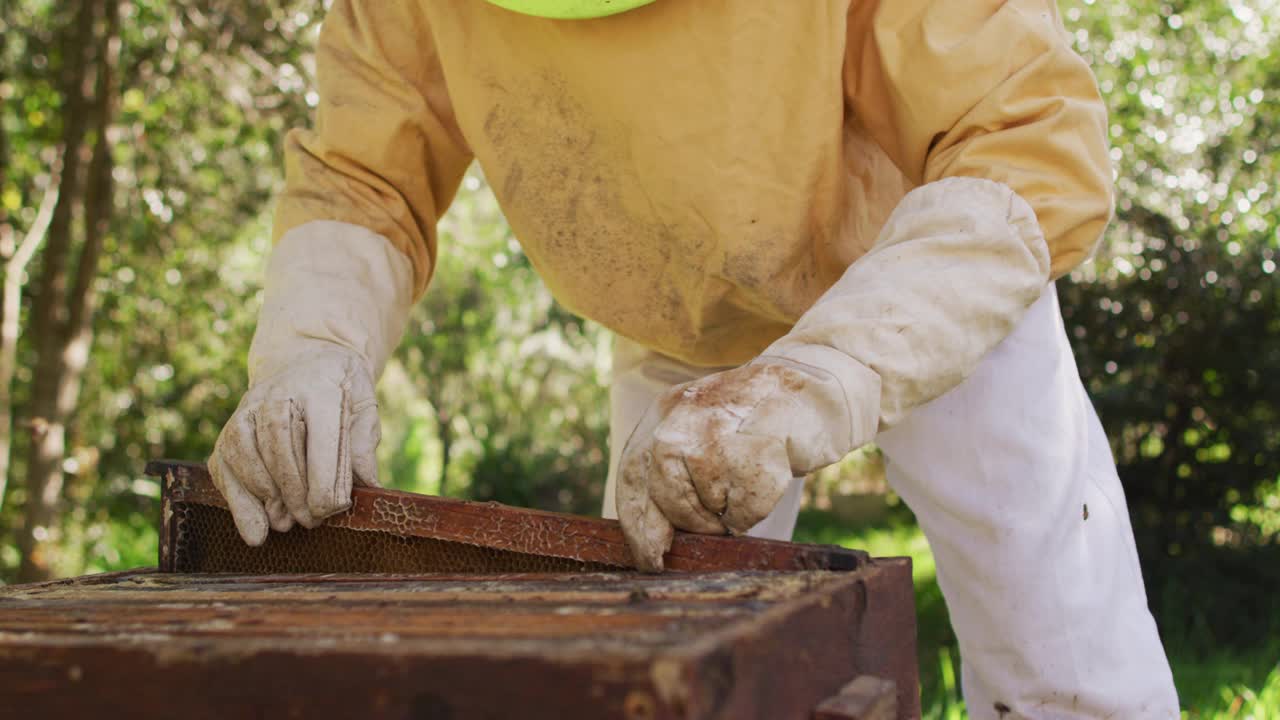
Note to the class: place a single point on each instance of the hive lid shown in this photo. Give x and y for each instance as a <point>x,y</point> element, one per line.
<point>698,646</point>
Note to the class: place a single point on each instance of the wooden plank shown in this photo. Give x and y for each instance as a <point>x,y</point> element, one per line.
<point>886,643</point>
<point>739,645</point>
<point>594,541</point>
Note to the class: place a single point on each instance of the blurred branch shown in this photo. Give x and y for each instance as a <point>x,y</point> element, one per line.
<point>228,66</point>
<point>98,193</point>
<point>40,226</point>
<point>98,212</point>
<point>15,267</point>
<point>4,137</point>
<point>1153,222</point>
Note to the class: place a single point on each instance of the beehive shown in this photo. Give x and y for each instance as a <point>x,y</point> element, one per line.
<point>749,630</point>
<point>733,646</point>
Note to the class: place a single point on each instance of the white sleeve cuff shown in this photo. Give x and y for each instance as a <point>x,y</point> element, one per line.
<point>335,282</point>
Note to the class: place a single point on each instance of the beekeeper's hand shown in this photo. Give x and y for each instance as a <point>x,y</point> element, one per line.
<point>953,270</point>
<point>715,455</point>
<point>337,299</point>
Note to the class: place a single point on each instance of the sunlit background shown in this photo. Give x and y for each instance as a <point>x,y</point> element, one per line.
<point>140,145</point>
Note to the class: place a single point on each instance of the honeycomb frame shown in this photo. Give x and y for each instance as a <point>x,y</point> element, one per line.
<point>387,531</point>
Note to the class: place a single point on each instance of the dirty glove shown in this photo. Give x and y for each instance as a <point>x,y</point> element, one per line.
<point>956,265</point>
<point>337,300</point>
<point>715,455</point>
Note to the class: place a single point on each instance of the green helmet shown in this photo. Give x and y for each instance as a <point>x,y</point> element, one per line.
<point>570,9</point>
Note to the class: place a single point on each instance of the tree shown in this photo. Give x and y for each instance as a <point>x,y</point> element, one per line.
<point>151,108</point>
<point>64,297</point>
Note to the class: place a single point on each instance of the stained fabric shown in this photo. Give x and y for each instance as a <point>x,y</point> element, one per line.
<point>694,175</point>
<point>1011,478</point>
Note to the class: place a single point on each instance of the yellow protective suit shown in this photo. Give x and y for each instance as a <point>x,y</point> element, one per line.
<point>694,174</point>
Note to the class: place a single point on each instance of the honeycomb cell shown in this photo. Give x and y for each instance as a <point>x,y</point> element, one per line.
<point>206,541</point>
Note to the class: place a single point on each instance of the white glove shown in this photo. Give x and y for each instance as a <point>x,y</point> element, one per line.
<point>956,265</point>
<point>715,455</point>
<point>337,300</point>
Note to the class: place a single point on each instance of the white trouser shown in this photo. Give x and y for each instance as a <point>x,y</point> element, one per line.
<point>1011,479</point>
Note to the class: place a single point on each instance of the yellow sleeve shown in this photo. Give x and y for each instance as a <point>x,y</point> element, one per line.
<point>992,90</point>
<point>386,152</point>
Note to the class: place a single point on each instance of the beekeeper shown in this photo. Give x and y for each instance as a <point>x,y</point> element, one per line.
<point>810,224</point>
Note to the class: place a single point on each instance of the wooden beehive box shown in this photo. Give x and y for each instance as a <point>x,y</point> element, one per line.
<point>554,626</point>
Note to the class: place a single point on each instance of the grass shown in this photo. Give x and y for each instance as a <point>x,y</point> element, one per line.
<point>1223,682</point>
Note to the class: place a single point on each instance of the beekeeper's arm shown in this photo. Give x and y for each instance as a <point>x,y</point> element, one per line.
<point>355,245</point>
<point>983,105</point>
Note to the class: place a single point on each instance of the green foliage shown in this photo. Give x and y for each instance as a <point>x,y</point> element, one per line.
<point>1176,327</point>
<point>208,91</point>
